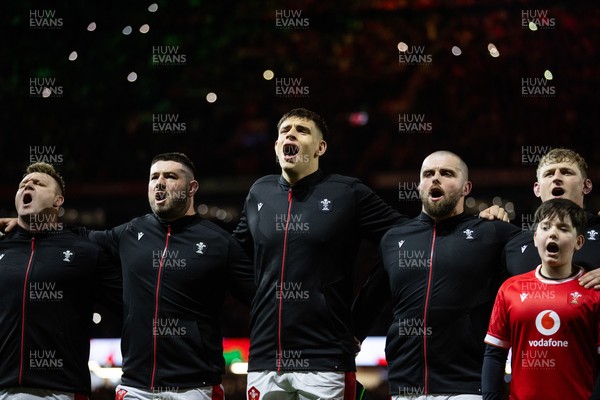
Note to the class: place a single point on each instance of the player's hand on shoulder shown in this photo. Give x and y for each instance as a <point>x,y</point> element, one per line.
<point>591,279</point>
<point>495,212</point>
<point>7,224</point>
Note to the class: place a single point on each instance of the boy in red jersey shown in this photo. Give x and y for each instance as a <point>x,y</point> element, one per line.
<point>549,320</point>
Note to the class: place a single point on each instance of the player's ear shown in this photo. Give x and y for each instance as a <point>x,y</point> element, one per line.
<point>537,189</point>
<point>193,187</point>
<point>322,148</point>
<point>587,186</point>
<point>467,186</point>
<point>59,201</point>
<point>579,243</point>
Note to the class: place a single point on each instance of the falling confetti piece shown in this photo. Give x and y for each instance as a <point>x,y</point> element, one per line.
<point>132,77</point>
<point>127,30</point>
<point>268,74</point>
<point>548,75</point>
<point>145,28</point>
<point>91,27</point>
<point>456,50</point>
<point>73,56</point>
<point>493,50</point>
<point>533,26</point>
<point>402,47</point>
<point>153,7</point>
<point>211,97</point>
<point>46,92</point>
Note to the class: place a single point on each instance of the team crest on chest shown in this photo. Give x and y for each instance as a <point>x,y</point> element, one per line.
<point>575,298</point>
<point>68,254</point>
<point>469,234</point>
<point>592,234</point>
<point>325,205</point>
<point>200,247</point>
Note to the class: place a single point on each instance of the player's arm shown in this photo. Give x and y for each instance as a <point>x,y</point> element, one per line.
<point>596,392</point>
<point>241,273</point>
<point>107,239</point>
<point>371,301</point>
<point>108,281</point>
<point>492,373</point>
<point>374,216</point>
<point>242,232</point>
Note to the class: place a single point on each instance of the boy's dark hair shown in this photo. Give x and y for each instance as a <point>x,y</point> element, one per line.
<point>306,114</point>
<point>562,208</point>
<point>177,157</point>
<point>47,169</point>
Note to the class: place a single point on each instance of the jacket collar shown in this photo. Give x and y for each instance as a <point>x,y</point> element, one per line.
<point>19,232</point>
<point>179,222</point>
<point>446,222</point>
<point>303,183</point>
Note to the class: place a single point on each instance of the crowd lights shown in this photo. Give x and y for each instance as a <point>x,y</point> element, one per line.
<point>509,206</point>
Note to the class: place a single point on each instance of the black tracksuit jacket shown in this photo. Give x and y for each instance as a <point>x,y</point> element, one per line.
<point>443,279</point>
<point>304,239</point>
<point>49,284</point>
<point>175,277</point>
<point>522,256</point>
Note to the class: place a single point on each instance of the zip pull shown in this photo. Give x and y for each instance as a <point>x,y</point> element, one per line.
<point>289,195</point>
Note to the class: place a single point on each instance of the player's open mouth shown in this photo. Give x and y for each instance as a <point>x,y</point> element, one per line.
<point>558,191</point>
<point>27,198</point>
<point>160,197</point>
<point>552,248</point>
<point>436,193</point>
<point>290,149</point>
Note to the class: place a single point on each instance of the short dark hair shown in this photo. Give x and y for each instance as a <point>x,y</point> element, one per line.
<point>562,208</point>
<point>47,169</point>
<point>306,114</point>
<point>177,157</point>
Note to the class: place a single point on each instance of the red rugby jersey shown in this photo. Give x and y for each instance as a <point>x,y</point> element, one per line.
<point>553,329</point>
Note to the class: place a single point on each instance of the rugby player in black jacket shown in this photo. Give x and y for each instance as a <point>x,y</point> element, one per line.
<point>443,270</point>
<point>177,268</point>
<point>51,279</point>
<point>303,229</point>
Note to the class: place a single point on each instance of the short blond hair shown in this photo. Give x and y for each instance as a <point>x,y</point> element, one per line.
<point>562,155</point>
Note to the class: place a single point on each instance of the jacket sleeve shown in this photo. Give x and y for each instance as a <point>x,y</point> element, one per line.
<point>492,373</point>
<point>108,284</point>
<point>241,273</point>
<point>375,217</point>
<point>242,232</point>
<point>108,239</point>
<point>507,233</point>
<point>596,392</point>
<point>371,300</point>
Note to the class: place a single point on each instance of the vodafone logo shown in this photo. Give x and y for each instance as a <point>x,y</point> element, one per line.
<point>547,322</point>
